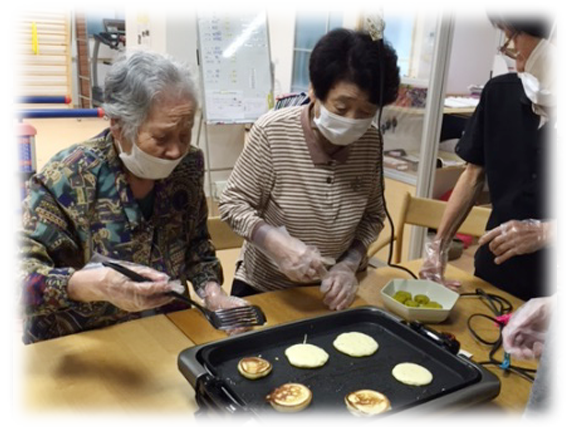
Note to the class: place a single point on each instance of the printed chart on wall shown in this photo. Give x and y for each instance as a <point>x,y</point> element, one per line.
<point>143,20</point>
<point>234,56</point>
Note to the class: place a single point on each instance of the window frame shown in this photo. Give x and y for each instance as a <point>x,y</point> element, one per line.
<point>328,11</point>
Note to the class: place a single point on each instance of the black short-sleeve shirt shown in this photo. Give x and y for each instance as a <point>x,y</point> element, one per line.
<point>503,136</point>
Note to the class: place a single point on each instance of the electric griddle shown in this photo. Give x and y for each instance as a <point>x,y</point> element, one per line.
<point>457,381</point>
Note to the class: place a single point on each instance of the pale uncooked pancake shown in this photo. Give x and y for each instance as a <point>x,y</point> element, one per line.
<point>355,344</point>
<point>367,403</point>
<point>290,397</point>
<point>306,356</point>
<point>412,374</point>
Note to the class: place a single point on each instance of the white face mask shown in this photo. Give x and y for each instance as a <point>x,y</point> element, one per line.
<point>143,165</point>
<point>539,77</point>
<point>341,130</point>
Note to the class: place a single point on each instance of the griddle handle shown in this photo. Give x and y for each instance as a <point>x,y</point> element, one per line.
<point>443,339</point>
<point>210,393</point>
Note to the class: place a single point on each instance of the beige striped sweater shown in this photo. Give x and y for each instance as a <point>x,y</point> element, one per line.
<point>283,179</point>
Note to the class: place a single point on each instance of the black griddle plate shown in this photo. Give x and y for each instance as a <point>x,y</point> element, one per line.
<point>342,374</point>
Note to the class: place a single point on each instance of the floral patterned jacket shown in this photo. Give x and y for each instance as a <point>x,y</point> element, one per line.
<point>81,204</point>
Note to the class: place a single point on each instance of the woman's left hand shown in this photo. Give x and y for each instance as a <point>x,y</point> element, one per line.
<point>517,237</point>
<point>339,287</point>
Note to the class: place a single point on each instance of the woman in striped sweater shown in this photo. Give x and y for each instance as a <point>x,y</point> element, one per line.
<point>306,192</point>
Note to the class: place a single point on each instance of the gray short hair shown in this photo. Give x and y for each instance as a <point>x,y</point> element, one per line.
<point>134,81</point>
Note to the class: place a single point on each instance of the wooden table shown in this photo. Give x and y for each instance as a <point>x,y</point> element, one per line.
<point>305,302</point>
<point>126,367</point>
<point>133,366</point>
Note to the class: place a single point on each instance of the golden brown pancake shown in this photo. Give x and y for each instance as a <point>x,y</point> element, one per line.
<point>366,402</point>
<point>290,397</point>
<point>254,368</point>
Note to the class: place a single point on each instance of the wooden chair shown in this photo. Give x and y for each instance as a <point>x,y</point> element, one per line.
<point>228,247</point>
<point>223,237</point>
<point>428,213</point>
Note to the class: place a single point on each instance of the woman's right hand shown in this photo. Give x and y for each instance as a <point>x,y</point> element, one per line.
<point>100,283</point>
<point>298,261</point>
<point>434,263</point>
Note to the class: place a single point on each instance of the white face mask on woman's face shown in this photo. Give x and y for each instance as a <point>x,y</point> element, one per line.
<point>341,130</point>
<point>143,165</point>
<point>538,79</point>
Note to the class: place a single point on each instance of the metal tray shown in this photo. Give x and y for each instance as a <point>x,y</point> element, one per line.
<point>212,368</point>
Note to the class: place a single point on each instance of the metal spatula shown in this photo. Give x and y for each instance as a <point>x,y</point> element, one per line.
<point>230,318</point>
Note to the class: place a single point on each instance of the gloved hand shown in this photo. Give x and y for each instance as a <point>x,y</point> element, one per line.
<point>517,237</point>
<point>95,282</point>
<point>524,334</point>
<point>433,267</point>
<point>216,299</point>
<point>339,287</point>
<point>298,261</point>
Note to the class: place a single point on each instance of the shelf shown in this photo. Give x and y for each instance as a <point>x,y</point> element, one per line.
<point>421,111</point>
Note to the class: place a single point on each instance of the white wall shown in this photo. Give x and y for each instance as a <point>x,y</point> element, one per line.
<point>474,46</point>
<point>561,68</point>
<point>139,19</point>
<point>352,18</point>
<point>281,24</point>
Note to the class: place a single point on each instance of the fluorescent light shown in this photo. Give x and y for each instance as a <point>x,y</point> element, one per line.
<point>246,34</point>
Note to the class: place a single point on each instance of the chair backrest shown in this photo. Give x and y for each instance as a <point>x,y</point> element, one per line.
<point>428,213</point>
<point>223,237</point>
<point>384,237</point>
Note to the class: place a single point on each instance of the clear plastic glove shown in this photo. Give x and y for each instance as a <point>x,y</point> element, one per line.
<point>524,334</point>
<point>517,237</point>
<point>216,299</point>
<point>298,261</point>
<point>339,287</point>
<point>434,264</point>
<point>95,282</point>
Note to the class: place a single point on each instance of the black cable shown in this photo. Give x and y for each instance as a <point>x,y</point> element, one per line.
<point>499,306</point>
<point>503,305</point>
<point>380,134</point>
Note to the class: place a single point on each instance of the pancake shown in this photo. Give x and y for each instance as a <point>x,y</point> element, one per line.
<point>412,374</point>
<point>355,344</point>
<point>367,403</point>
<point>306,356</point>
<point>290,398</point>
<point>254,368</point>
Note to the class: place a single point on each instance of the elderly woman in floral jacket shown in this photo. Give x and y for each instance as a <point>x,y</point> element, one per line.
<point>135,194</point>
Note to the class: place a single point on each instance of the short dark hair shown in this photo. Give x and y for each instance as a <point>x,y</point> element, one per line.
<point>347,55</point>
<point>534,18</point>
<point>562,218</point>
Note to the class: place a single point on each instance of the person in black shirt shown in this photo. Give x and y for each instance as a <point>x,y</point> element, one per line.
<point>508,143</point>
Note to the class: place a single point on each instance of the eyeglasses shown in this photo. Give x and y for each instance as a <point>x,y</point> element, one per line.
<point>510,52</point>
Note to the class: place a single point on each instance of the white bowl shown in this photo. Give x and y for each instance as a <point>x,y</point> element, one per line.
<point>435,291</point>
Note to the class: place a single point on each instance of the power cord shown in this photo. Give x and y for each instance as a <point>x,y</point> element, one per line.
<point>500,307</point>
